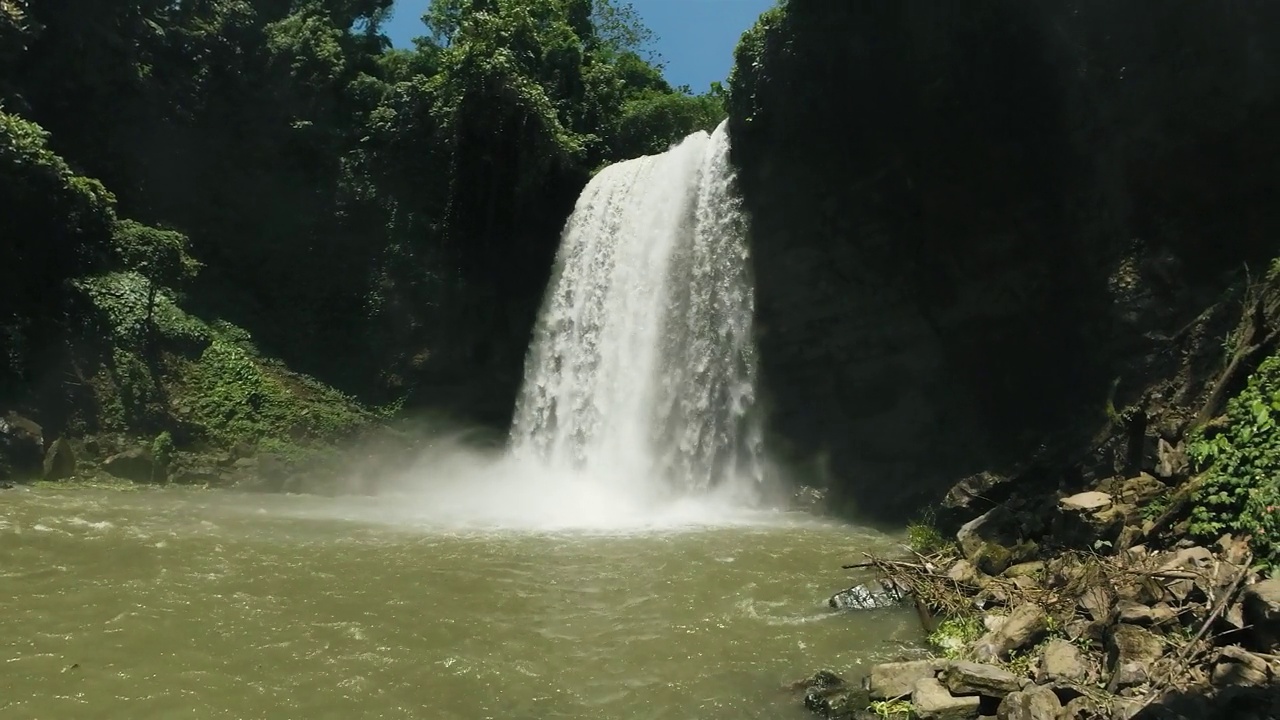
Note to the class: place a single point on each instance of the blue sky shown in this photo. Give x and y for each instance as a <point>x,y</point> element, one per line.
<point>695,37</point>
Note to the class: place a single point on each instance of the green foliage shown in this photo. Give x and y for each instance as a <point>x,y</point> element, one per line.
<point>236,396</point>
<point>1240,490</point>
<point>954,634</point>
<point>925,538</point>
<point>163,450</point>
<point>125,305</point>
<point>369,215</point>
<point>892,709</point>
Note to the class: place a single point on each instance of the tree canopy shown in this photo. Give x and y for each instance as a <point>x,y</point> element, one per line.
<point>379,217</point>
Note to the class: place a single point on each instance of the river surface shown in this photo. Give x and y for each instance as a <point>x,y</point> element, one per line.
<point>195,604</point>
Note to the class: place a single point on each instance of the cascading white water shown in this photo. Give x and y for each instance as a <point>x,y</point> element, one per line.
<point>642,370</point>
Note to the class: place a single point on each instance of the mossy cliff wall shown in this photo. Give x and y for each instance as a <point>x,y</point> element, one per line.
<point>976,225</point>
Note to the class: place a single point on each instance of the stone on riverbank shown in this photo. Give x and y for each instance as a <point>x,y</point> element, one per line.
<point>893,680</point>
<point>1261,605</point>
<point>1022,628</point>
<point>1061,662</point>
<point>1035,703</point>
<point>136,465</point>
<point>1131,651</point>
<point>932,702</point>
<point>970,678</point>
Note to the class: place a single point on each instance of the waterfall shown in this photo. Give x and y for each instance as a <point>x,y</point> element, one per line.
<point>642,369</point>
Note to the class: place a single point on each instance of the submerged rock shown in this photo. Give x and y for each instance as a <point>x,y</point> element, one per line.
<point>872,595</point>
<point>828,695</point>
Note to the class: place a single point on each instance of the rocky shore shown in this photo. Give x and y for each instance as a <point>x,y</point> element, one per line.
<point>1097,604</point>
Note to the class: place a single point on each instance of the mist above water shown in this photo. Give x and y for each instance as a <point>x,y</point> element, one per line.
<point>638,403</point>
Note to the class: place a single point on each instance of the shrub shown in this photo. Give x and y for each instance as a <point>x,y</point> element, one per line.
<point>1239,492</point>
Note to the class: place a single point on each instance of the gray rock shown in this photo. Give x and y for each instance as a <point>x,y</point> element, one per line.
<point>1081,708</point>
<point>1171,460</point>
<point>965,573</point>
<point>1131,651</point>
<point>970,678</point>
<point>136,465</point>
<point>1261,609</point>
<point>1145,615</point>
<point>932,702</point>
<point>1061,662</point>
<point>1237,666</point>
<point>1141,489</point>
<point>1086,501</point>
<point>872,595</point>
<point>1032,569</point>
<point>894,680</point>
<point>1024,626</point>
<point>1035,703</point>
<point>1098,602</point>
<point>991,542</point>
<point>60,461</point>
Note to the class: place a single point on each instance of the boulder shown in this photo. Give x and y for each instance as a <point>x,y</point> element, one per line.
<point>970,497</point>
<point>1237,666</point>
<point>1145,615</point>
<point>1061,662</point>
<point>1086,501</point>
<point>1035,703</point>
<point>893,680</point>
<point>932,702</point>
<point>1141,489</point>
<point>970,678</point>
<point>1090,520</point>
<point>992,542</point>
<point>1081,708</point>
<point>872,595</point>
<point>60,460</point>
<point>1098,602</point>
<point>136,465</point>
<point>1261,608</point>
<point>1171,460</point>
<point>1131,651</point>
<point>1024,626</point>
<point>21,448</point>
<point>1032,569</point>
<point>964,573</point>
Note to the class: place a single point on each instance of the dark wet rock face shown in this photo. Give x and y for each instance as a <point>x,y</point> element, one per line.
<point>136,465</point>
<point>968,223</point>
<point>21,448</point>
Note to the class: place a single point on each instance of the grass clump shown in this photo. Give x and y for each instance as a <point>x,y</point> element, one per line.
<point>954,634</point>
<point>924,537</point>
<point>1240,489</point>
<point>892,709</point>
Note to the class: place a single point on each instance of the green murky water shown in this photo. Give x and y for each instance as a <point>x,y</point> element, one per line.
<point>173,604</point>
